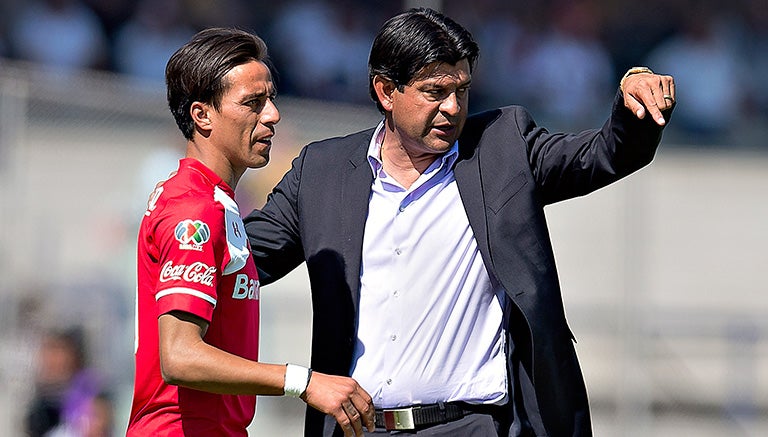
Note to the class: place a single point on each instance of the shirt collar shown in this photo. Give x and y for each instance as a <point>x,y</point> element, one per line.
<point>374,152</point>
<point>208,173</point>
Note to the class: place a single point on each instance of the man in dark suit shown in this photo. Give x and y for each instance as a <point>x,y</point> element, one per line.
<point>432,273</point>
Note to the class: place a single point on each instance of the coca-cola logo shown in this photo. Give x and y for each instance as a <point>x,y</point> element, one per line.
<point>197,272</point>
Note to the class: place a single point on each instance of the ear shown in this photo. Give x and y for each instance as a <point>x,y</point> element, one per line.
<point>385,89</point>
<point>201,116</point>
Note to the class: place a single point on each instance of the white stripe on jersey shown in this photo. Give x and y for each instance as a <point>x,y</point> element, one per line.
<point>236,242</point>
<point>189,291</point>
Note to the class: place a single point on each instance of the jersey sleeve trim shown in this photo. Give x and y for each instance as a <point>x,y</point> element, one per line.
<point>189,291</point>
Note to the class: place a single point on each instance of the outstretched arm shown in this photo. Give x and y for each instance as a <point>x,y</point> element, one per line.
<point>568,165</point>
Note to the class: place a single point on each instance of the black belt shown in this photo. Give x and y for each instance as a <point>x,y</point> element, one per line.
<point>417,416</point>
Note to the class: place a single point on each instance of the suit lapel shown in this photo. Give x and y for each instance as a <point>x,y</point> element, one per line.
<point>356,191</point>
<point>468,175</point>
<point>469,181</point>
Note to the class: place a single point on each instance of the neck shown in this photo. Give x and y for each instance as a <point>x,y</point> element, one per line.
<point>402,164</point>
<point>214,161</point>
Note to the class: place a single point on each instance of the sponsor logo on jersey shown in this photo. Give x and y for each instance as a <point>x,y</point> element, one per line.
<point>197,272</point>
<point>246,287</point>
<point>192,234</point>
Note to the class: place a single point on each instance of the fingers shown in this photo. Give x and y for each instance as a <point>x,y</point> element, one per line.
<point>649,94</point>
<point>634,105</point>
<point>669,94</point>
<point>364,404</point>
<point>345,422</point>
<point>359,411</point>
<point>665,94</point>
<point>342,398</point>
<point>354,417</point>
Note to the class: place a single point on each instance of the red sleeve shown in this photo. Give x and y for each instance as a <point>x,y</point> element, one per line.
<point>192,242</point>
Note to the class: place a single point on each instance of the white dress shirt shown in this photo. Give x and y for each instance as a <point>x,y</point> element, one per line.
<point>430,321</point>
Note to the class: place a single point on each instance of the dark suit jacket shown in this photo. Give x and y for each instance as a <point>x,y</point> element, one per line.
<point>509,169</point>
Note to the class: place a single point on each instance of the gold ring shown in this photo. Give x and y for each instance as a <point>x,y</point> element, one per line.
<point>668,97</point>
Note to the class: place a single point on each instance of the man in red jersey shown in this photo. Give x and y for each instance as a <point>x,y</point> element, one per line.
<point>197,369</point>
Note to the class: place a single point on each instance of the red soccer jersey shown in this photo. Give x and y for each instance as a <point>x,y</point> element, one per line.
<point>193,256</point>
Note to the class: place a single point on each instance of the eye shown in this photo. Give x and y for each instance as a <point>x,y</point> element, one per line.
<point>255,104</point>
<point>435,93</point>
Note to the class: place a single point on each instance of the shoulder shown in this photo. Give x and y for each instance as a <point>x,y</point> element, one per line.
<point>498,126</point>
<point>341,144</point>
<point>186,195</point>
<point>496,116</point>
<point>333,152</point>
<point>188,219</point>
<point>502,119</point>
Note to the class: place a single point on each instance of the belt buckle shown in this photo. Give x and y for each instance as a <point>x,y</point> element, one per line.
<point>399,419</point>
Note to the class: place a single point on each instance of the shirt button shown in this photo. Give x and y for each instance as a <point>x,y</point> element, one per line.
<point>389,381</point>
<point>396,293</point>
<point>393,337</point>
<point>398,251</point>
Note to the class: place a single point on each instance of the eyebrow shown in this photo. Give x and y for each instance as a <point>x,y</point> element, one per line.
<point>270,92</point>
<point>442,85</point>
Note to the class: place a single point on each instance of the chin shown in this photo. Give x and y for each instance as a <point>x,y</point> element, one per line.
<point>441,145</point>
<point>258,163</point>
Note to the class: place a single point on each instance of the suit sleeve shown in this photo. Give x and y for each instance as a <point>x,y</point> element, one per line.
<point>571,165</point>
<point>273,231</point>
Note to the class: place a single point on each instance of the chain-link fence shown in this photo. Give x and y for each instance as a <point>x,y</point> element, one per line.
<point>662,273</point>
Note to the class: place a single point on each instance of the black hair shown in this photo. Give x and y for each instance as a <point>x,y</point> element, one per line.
<point>195,72</point>
<point>408,42</point>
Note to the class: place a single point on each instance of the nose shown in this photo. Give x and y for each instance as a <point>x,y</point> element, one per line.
<point>270,114</point>
<point>451,105</point>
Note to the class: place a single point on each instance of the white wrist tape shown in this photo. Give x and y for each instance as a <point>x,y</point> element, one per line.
<point>296,380</point>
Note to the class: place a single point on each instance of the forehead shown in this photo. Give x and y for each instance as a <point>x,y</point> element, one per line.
<point>248,77</point>
<point>443,72</point>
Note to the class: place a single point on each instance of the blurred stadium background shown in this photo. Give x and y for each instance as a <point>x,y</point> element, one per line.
<point>663,273</point>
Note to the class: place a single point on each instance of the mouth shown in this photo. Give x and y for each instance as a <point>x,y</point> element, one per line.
<point>267,141</point>
<point>444,130</point>
<point>263,136</point>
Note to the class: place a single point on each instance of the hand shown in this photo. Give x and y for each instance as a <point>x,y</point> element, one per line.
<point>342,398</point>
<point>649,93</point>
